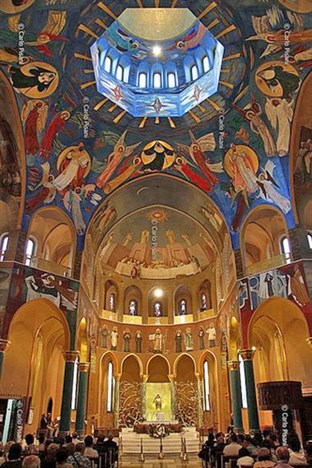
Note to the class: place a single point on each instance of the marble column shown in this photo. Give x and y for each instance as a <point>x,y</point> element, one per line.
<point>70,359</point>
<point>82,397</point>
<point>252,409</point>
<point>236,395</point>
<point>116,405</point>
<point>200,399</point>
<point>3,347</point>
<point>173,396</point>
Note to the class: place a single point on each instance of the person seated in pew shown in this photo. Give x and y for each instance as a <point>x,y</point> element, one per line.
<point>233,447</point>
<point>90,452</point>
<point>297,456</point>
<point>264,459</point>
<point>244,458</point>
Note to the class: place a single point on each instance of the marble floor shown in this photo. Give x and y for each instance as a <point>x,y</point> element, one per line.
<point>132,462</point>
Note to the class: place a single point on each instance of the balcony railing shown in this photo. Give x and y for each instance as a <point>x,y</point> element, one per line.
<point>268,264</point>
<point>51,267</point>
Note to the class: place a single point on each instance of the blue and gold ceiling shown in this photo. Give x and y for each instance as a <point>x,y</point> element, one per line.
<point>85,137</point>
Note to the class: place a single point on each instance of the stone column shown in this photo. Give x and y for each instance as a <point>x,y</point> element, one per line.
<point>252,409</point>
<point>116,405</point>
<point>82,397</point>
<point>70,359</point>
<point>173,396</point>
<point>3,347</point>
<point>239,264</point>
<point>236,395</point>
<point>200,399</point>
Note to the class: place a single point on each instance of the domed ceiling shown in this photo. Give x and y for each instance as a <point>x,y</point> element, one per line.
<point>82,146</point>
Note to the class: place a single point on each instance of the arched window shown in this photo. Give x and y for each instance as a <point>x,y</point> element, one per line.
<point>108,64</point>
<point>120,73</point>
<point>194,73</point>
<point>309,237</point>
<point>203,301</point>
<point>157,309</point>
<point>285,248</point>
<point>157,80</point>
<point>205,63</point>
<point>183,307</point>
<point>133,308</point>
<point>206,386</point>
<point>112,302</point>
<point>110,387</point>
<point>75,386</point>
<point>30,251</point>
<point>243,381</point>
<point>142,80</point>
<point>3,246</point>
<point>172,82</point>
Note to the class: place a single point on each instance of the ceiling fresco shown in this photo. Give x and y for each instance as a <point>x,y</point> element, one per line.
<point>81,146</point>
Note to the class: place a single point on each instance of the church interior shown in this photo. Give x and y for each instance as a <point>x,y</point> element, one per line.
<point>155,217</point>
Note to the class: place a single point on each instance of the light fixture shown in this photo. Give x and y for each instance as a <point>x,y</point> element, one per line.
<point>158,292</point>
<point>156,50</point>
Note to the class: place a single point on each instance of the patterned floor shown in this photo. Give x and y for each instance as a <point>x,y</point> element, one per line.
<point>155,463</point>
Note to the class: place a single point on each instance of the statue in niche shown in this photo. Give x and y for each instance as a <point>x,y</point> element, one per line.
<point>127,239</point>
<point>138,341</point>
<point>178,340</point>
<point>114,339</point>
<point>126,339</point>
<point>132,308</point>
<point>104,336</point>
<point>158,402</point>
<point>170,236</point>
<point>183,308</point>
<point>157,309</point>
<point>158,341</point>
<point>188,340</point>
<point>212,335</point>
<point>203,302</point>
<point>201,335</point>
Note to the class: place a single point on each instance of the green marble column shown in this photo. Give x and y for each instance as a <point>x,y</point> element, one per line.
<point>70,359</point>
<point>236,395</point>
<point>252,409</point>
<point>82,397</point>
<point>3,347</point>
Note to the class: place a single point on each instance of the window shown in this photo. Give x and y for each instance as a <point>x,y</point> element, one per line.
<point>112,302</point>
<point>132,308</point>
<point>157,309</point>
<point>171,80</point>
<point>3,246</point>
<point>206,387</point>
<point>183,308</point>
<point>194,73</point>
<point>75,386</point>
<point>157,80</point>
<point>243,381</point>
<point>120,73</point>
<point>285,249</point>
<point>205,64</point>
<point>110,387</point>
<point>142,80</point>
<point>108,64</point>
<point>309,236</point>
<point>30,250</point>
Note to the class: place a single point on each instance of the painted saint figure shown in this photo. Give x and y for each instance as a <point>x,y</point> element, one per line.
<point>138,341</point>
<point>212,335</point>
<point>178,340</point>
<point>114,339</point>
<point>158,402</point>
<point>104,336</point>
<point>126,338</point>
<point>201,335</point>
<point>188,340</point>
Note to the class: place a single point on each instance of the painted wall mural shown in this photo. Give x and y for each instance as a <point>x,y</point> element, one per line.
<point>81,146</point>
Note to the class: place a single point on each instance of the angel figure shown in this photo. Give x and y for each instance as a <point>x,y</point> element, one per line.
<point>72,201</point>
<point>196,151</point>
<point>280,114</point>
<point>42,180</point>
<point>51,32</point>
<point>268,191</point>
<point>34,116</point>
<point>120,152</point>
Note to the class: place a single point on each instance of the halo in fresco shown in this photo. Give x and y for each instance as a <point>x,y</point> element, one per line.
<point>242,150</point>
<point>271,69</point>
<point>301,6</point>
<point>77,154</point>
<point>36,80</point>
<point>15,6</point>
<point>158,155</point>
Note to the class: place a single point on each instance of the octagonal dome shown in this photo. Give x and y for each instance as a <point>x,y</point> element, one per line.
<point>162,70</point>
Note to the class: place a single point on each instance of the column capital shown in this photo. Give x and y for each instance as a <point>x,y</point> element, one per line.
<point>70,356</point>
<point>4,344</point>
<point>84,366</point>
<point>233,365</point>
<point>309,341</point>
<point>247,354</point>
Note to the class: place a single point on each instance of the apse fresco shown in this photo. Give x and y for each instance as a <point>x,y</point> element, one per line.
<point>81,146</point>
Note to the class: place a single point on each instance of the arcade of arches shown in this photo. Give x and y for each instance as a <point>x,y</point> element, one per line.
<point>155,268</point>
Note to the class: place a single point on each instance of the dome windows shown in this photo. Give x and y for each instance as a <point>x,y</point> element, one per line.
<point>120,73</point>
<point>205,64</point>
<point>194,73</point>
<point>172,82</point>
<point>157,80</point>
<point>108,64</point>
<point>142,80</point>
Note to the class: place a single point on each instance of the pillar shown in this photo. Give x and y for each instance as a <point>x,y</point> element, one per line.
<point>173,396</point>
<point>239,264</point>
<point>3,347</point>
<point>116,405</point>
<point>236,395</point>
<point>70,359</point>
<point>200,399</point>
<point>82,397</point>
<point>252,409</point>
